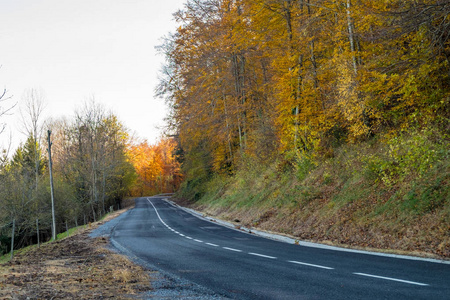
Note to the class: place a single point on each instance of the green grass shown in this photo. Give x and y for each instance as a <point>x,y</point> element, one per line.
<point>69,233</point>
<point>6,258</point>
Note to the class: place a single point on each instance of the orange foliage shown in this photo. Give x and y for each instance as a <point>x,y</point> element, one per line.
<point>157,168</point>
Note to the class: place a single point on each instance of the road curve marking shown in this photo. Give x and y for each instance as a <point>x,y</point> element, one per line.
<point>309,265</point>
<point>392,279</point>
<point>262,255</point>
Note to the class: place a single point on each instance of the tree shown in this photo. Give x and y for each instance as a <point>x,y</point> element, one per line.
<point>4,110</point>
<point>90,154</point>
<point>20,200</point>
<point>31,113</point>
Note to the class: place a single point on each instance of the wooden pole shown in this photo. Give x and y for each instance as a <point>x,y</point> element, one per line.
<point>12,239</point>
<point>37,229</point>
<point>51,185</point>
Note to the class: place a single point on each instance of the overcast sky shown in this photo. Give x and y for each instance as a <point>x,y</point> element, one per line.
<point>76,49</point>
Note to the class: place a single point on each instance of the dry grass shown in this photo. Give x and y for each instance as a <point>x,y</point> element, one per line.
<point>77,267</point>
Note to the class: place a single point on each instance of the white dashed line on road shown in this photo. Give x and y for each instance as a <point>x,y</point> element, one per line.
<point>262,255</point>
<point>232,249</point>
<point>309,265</point>
<point>392,279</point>
<point>211,244</point>
<point>199,241</point>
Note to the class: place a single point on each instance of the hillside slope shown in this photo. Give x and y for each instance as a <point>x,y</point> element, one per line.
<point>391,194</point>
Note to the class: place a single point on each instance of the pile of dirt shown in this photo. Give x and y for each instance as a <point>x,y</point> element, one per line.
<point>77,267</point>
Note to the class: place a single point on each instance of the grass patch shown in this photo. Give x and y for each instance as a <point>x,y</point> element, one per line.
<point>71,231</point>
<point>7,257</point>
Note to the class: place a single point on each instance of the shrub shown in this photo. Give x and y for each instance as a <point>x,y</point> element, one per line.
<point>406,155</point>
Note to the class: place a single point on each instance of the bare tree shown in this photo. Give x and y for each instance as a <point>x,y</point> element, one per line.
<point>31,114</point>
<point>4,110</point>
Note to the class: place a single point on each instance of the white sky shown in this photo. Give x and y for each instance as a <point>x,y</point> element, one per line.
<point>76,49</point>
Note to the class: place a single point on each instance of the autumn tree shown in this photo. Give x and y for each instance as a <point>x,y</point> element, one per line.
<point>157,167</point>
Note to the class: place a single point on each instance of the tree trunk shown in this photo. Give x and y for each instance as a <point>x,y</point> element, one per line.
<point>37,229</point>
<point>12,239</point>
<point>351,36</point>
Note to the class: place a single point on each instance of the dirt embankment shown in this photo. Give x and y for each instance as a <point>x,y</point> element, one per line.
<point>77,267</point>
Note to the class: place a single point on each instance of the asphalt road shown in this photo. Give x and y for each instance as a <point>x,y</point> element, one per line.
<point>239,265</point>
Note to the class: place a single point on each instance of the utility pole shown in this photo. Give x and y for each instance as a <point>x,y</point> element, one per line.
<point>51,185</point>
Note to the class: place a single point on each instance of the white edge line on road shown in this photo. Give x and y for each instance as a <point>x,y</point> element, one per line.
<point>232,249</point>
<point>211,244</point>
<point>289,240</point>
<point>310,265</point>
<point>262,255</point>
<point>392,279</point>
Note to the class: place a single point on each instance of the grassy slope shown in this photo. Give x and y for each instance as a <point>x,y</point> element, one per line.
<point>392,194</point>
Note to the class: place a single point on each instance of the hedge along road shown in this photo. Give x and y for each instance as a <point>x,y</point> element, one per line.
<point>243,266</point>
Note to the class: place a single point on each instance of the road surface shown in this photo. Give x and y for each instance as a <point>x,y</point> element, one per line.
<point>239,265</point>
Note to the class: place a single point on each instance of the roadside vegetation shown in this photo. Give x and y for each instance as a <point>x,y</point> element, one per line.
<point>328,121</point>
<point>389,195</point>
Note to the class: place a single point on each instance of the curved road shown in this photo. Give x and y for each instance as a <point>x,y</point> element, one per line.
<point>243,266</point>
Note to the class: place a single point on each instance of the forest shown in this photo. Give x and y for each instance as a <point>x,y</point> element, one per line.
<point>96,163</point>
<point>322,112</point>
<point>263,78</point>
